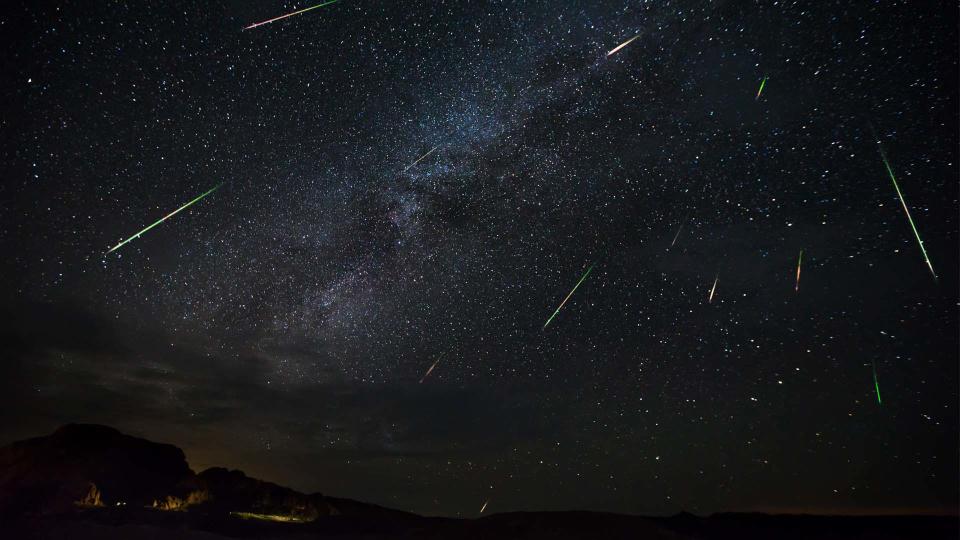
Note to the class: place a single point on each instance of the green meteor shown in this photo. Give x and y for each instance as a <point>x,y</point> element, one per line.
<point>585,274</point>
<point>161,220</point>
<point>268,21</point>
<point>762,84</point>
<point>906,210</point>
<point>876,385</point>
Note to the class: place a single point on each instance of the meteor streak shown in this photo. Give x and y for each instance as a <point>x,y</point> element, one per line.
<point>484,507</point>
<point>762,84</point>
<point>421,158</point>
<point>713,289</point>
<point>290,14</point>
<point>680,229</point>
<point>906,210</point>
<point>585,274</point>
<point>164,218</point>
<point>677,235</point>
<point>876,385</point>
<point>799,261</point>
<point>427,374</point>
<point>622,45</point>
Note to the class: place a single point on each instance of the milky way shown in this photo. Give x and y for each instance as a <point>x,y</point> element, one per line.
<point>282,325</point>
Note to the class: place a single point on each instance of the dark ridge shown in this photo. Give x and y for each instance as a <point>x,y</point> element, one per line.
<point>91,481</point>
<point>49,474</point>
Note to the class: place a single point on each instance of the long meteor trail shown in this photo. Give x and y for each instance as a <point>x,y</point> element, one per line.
<point>484,507</point>
<point>164,218</point>
<point>906,210</point>
<point>421,158</point>
<point>585,274</point>
<point>799,261</point>
<point>713,289</point>
<point>762,84</point>
<point>622,45</point>
<point>876,385</point>
<point>254,25</point>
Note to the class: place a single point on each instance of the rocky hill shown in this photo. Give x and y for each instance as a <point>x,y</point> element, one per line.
<point>92,466</point>
<point>90,481</point>
<point>89,465</point>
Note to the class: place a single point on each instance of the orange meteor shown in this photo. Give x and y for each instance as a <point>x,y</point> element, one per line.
<point>427,374</point>
<point>799,261</point>
<point>622,45</point>
<point>254,25</point>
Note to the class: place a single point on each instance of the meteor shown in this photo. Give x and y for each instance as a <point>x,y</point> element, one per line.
<point>427,374</point>
<point>876,385</point>
<point>799,260</point>
<point>484,507</point>
<point>677,235</point>
<point>906,210</point>
<point>762,84</point>
<point>164,218</point>
<point>290,14</point>
<point>421,158</point>
<point>713,289</point>
<point>680,229</point>
<point>622,45</point>
<point>585,274</point>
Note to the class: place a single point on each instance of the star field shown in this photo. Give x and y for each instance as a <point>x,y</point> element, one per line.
<point>281,325</point>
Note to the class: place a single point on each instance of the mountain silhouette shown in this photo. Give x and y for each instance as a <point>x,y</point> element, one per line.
<point>90,466</point>
<point>49,474</point>
<point>92,481</point>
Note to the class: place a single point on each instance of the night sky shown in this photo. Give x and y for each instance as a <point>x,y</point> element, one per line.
<point>282,324</point>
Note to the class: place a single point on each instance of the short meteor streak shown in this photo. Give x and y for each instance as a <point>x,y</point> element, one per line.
<point>876,384</point>
<point>713,289</point>
<point>290,14</point>
<point>906,210</point>
<point>762,84</point>
<point>585,274</point>
<point>799,261</point>
<point>680,229</point>
<point>484,507</point>
<point>622,45</point>
<point>676,235</point>
<point>164,218</point>
<point>421,158</point>
<point>427,374</point>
